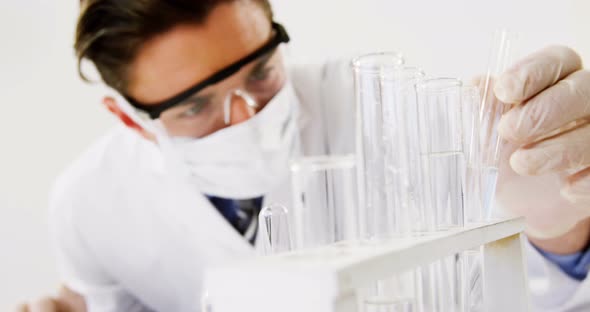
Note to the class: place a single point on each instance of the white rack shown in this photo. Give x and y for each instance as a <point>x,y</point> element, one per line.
<point>326,279</point>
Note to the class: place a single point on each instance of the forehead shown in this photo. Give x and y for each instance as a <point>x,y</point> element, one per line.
<point>186,54</point>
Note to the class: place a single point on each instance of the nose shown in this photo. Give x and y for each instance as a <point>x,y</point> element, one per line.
<point>239,108</point>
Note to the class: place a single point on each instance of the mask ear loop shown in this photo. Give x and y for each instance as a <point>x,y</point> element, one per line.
<point>173,160</point>
<point>250,102</point>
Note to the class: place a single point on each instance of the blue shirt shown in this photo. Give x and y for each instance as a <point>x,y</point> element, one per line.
<point>575,265</point>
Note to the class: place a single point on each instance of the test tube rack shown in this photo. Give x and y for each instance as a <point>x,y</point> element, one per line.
<point>326,279</point>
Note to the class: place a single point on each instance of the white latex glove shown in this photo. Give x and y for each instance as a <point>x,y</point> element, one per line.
<point>547,177</point>
<point>66,301</point>
<point>41,305</point>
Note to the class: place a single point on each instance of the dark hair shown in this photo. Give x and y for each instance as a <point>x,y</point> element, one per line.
<point>109,33</point>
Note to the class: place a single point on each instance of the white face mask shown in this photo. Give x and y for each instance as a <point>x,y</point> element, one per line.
<point>243,161</point>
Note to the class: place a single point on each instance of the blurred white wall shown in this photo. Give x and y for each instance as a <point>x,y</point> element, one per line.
<point>48,115</point>
<point>446,38</point>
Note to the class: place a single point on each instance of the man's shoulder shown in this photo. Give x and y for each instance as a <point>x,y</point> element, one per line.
<point>324,82</point>
<point>102,165</point>
<point>326,93</point>
<point>322,70</point>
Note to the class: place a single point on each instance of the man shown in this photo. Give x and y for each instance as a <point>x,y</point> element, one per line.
<point>211,116</point>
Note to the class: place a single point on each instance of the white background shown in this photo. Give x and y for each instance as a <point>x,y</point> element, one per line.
<point>48,115</point>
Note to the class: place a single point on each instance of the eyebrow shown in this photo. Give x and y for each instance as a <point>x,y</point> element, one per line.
<point>154,110</point>
<point>204,98</point>
<point>199,99</point>
<point>263,61</point>
<point>196,99</point>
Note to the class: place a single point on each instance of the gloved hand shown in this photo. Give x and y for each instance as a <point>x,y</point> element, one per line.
<point>545,175</point>
<point>66,301</point>
<point>41,305</point>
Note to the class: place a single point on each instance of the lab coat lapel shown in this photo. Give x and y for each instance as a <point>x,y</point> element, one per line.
<point>217,239</point>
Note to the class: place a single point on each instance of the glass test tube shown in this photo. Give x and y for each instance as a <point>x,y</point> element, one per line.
<point>491,110</point>
<point>443,162</point>
<point>483,156</point>
<point>275,229</point>
<point>400,134</point>
<point>394,294</point>
<point>474,196</point>
<point>473,288</point>
<point>474,201</point>
<point>441,151</point>
<point>390,162</point>
<point>377,220</point>
<point>440,285</point>
<point>325,205</point>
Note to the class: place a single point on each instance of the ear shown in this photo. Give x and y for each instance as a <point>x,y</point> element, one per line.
<point>111,104</point>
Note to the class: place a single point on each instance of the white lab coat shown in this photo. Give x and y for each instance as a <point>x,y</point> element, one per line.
<point>131,238</point>
<point>551,289</point>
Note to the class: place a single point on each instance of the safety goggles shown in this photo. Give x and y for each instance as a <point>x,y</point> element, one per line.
<point>155,111</point>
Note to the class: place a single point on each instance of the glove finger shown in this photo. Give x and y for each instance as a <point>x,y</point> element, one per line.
<point>44,305</point>
<point>566,151</point>
<point>577,189</point>
<point>561,104</point>
<point>535,73</point>
<point>22,308</point>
